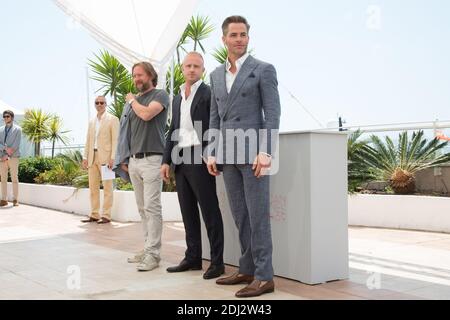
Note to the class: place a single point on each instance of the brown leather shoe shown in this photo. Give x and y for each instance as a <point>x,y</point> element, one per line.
<point>15,203</point>
<point>236,278</point>
<point>90,219</point>
<point>255,289</point>
<point>103,221</point>
<point>3,203</point>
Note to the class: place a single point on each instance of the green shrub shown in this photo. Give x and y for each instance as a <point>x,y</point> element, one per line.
<point>123,186</point>
<point>63,174</point>
<point>81,181</point>
<point>30,168</point>
<point>171,186</point>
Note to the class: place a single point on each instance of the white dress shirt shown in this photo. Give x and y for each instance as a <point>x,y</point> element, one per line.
<point>230,77</point>
<point>98,123</point>
<point>188,136</point>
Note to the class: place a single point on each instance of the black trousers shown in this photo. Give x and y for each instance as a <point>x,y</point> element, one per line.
<point>195,186</point>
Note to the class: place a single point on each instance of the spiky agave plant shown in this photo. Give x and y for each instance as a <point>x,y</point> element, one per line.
<point>399,163</point>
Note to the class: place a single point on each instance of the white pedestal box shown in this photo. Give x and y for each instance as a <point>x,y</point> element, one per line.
<point>308,209</point>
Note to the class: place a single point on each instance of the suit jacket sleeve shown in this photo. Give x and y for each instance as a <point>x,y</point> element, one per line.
<point>214,123</point>
<point>114,136</point>
<point>271,107</point>
<point>17,139</point>
<point>167,157</point>
<point>86,145</point>
<point>2,138</point>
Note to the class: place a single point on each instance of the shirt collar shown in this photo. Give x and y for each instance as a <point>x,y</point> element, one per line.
<point>194,88</point>
<point>239,62</point>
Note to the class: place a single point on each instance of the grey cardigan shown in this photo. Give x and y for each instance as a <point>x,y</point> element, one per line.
<point>12,140</point>
<point>123,145</point>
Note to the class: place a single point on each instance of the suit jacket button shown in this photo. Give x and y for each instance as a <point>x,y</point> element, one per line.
<point>217,99</point>
<point>244,95</point>
<point>238,119</point>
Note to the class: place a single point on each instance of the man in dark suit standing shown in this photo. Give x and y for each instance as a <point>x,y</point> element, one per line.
<point>195,186</point>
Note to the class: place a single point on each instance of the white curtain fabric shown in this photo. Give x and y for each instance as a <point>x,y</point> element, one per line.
<point>133,30</point>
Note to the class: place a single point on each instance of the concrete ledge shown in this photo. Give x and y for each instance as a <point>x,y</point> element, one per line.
<point>422,213</point>
<point>72,200</point>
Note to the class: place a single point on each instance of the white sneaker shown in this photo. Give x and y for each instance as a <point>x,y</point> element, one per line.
<point>138,257</point>
<point>148,264</point>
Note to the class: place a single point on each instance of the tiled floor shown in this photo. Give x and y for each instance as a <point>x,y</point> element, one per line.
<point>44,253</point>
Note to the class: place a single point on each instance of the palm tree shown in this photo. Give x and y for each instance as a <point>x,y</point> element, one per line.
<point>56,133</point>
<point>35,126</point>
<point>199,29</point>
<point>181,43</point>
<point>398,164</point>
<point>116,80</point>
<point>177,77</point>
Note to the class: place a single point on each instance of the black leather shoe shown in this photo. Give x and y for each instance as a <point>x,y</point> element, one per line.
<point>185,266</point>
<point>214,271</point>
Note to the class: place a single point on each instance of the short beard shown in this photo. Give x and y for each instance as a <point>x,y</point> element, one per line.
<point>145,87</point>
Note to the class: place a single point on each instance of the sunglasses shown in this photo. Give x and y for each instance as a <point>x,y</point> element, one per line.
<point>99,103</point>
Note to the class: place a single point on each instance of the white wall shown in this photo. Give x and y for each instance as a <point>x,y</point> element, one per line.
<point>68,199</point>
<point>400,212</point>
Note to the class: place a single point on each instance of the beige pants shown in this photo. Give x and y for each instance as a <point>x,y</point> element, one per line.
<point>13,165</point>
<point>147,184</point>
<point>95,176</point>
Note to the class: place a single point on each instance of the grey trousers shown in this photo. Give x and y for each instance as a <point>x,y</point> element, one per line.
<point>249,199</point>
<point>147,184</point>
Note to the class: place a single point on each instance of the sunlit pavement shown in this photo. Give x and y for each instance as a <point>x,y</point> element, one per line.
<point>46,254</point>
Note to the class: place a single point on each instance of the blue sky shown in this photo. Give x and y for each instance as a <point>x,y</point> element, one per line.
<point>369,61</point>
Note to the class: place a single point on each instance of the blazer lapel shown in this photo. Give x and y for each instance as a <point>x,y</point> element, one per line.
<point>197,98</point>
<point>92,135</point>
<point>102,123</point>
<point>221,81</point>
<point>246,69</point>
<point>176,111</point>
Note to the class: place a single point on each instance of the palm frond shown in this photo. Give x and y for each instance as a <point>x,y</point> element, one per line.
<point>115,80</point>
<point>220,54</point>
<point>199,29</point>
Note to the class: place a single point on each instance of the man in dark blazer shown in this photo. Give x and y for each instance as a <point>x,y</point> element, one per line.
<point>195,186</point>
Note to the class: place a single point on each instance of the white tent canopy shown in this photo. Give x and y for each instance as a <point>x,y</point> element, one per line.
<point>133,30</point>
<point>4,106</point>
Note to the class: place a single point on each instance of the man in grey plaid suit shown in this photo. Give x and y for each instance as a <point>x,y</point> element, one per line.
<point>245,100</point>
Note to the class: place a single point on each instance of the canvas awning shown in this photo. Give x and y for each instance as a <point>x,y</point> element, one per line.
<point>133,30</point>
<point>4,106</point>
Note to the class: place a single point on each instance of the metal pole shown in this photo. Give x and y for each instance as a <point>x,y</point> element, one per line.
<point>88,94</point>
<point>435,127</point>
<point>172,79</point>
